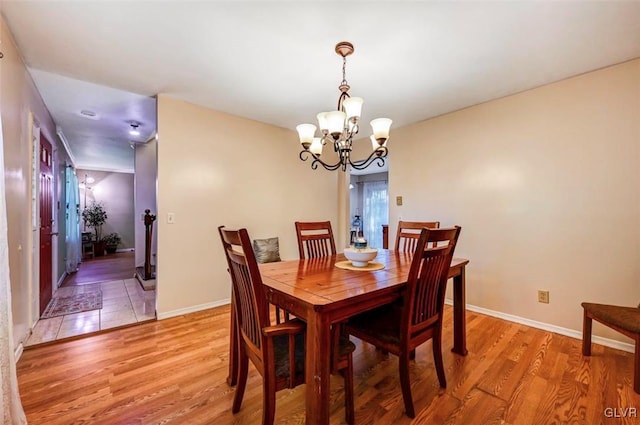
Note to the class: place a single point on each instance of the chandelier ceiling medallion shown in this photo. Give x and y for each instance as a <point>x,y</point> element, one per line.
<point>340,126</point>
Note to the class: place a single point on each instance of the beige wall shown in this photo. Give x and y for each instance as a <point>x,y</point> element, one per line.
<point>19,98</point>
<point>546,187</point>
<point>115,192</point>
<point>217,169</point>
<point>145,197</point>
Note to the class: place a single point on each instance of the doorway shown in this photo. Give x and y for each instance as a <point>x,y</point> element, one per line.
<point>369,195</point>
<point>123,300</point>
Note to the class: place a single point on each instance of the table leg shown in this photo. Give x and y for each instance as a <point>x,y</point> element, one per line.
<point>318,364</point>
<point>459,314</point>
<point>232,379</point>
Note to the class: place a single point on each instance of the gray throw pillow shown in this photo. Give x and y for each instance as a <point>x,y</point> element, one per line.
<point>266,250</point>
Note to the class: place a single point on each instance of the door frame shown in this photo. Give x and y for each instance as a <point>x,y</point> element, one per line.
<point>55,225</point>
<point>34,219</point>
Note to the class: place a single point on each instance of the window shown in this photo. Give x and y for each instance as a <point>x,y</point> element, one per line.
<point>376,211</point>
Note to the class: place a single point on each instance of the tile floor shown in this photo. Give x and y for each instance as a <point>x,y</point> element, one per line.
<point>123,302</point>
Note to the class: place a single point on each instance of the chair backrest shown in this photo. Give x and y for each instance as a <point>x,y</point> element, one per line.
<point>427,282</point>
<point>409,232</point>
<point>252,313</point>
<point>316,238</point>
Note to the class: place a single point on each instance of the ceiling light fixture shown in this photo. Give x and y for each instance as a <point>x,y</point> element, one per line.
<point>338,127</point>
<point>89,114</point>
<point>134,128</point>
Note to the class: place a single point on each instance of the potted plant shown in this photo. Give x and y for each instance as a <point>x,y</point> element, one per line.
<point>112,240</point>
<point>94,217</point>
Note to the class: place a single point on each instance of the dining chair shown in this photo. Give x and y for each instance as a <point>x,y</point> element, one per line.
<point>400,327</point>
<point>625,320</point>
<point>409,232</point>
<point>315,239</point>
<point>276,351</point>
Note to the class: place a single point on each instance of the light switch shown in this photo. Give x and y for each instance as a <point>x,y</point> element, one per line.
<point>398,200</point>
<point>171,218</point>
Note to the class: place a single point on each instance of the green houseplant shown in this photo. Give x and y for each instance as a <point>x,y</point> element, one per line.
<point>112,240</point>
<point>94,217</point>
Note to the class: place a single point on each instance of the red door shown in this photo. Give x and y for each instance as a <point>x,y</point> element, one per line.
<point>46,221</point>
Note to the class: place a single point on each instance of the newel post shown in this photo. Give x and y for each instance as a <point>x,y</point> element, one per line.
<point>148,224</point>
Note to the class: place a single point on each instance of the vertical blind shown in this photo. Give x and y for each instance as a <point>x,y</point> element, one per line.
<point>72,191</point>
<point>376,211</point>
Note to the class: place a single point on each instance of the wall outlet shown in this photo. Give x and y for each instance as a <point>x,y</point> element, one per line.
<point>543,297</point>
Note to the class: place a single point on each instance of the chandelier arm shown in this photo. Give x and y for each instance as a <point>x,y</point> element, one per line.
<point>360,165</point>
<point>376,156</point>
<point>344,95</point>
<point>353,131</point>
<point>305,154</point>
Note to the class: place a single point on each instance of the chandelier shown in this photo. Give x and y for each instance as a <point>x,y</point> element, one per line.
<point>340,126</point>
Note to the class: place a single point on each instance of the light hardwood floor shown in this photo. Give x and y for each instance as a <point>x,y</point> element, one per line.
<point>174,372</point>
<point>118,266</point>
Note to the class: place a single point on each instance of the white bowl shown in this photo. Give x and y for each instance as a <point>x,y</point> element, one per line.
<point>360,257</point>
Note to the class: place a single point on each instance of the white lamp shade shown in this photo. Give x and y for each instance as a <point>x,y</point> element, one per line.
<point>335,121</point>
<point>306,132</point>
<point>353,106</point>
<point>322,121</point>
<point>381,128</point>
<point>316,146</point>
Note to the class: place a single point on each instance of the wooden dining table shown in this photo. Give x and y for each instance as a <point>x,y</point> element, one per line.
<point>321,294</point>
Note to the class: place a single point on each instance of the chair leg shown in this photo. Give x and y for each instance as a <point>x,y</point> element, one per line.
<point>268,397</point>
<point>437,358</point>
<point>586,334</point>
<point>243,370</point>
<point>405,384</point>
<point>347,373</point>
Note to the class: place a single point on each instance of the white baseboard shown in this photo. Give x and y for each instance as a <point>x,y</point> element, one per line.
<point>18,351</point>
<point>125,250</point>
<point>64,274</point>
<point>577,334</point>
<point>193,309</point>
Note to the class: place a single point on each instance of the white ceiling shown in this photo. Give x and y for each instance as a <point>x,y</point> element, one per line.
<point>274,61</point>
<point>102,142</point>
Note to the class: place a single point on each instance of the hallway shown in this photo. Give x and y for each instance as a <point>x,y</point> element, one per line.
<point>120,265</point>
<point>124,302</point>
